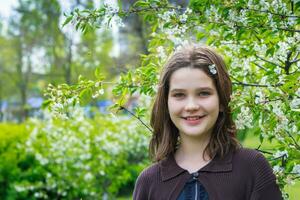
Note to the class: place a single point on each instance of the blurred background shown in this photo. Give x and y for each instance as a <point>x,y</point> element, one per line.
<point>36,50</point>
<point>94,156</point>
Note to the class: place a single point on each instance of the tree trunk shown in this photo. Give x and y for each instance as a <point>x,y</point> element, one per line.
<point>68,65</point>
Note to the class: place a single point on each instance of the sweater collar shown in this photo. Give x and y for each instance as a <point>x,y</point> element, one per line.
<point>170,169</point>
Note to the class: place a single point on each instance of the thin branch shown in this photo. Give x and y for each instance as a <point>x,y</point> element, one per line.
<point>287,62</point>
<point>263,151</point>
<point>138,118</point>
<point>287,29</point>
<point>108,82</point>
<point>157,8</point>
<point>256,85</point>
<point>273,13</point>
<point>261,67</point>
<point>269,61</point>
<point>253,84</point>
<point>268,101</point>
<point>294,61</point>
<point>280,157</point>
<point>295,142</point>
<point>283,157</point>
<point>295,58</point>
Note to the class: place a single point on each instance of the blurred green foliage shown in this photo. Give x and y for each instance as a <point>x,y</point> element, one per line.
<point>71,159</point>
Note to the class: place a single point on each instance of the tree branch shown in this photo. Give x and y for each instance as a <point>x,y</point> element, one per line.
<point>253,84</point>
<point>261,67</point>
<point>269,61</point>
<point>273,13</point>
<point>287,62</point>
<point>295,58</point>
<point>295,142</point>
<point>138,118</point>
<point>268,101</point>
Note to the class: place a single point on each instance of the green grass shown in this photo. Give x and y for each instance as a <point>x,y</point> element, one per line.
<point>252,141</point>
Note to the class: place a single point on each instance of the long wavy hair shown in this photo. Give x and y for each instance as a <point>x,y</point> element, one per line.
<point>165,136</point>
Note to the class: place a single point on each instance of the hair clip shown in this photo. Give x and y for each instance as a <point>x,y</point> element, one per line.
<point>212,68</point>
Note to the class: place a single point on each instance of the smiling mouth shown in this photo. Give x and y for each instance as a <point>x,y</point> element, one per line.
<point>193,118</point>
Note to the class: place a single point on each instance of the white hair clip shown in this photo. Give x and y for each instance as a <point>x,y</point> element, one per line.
<point>212,68</point>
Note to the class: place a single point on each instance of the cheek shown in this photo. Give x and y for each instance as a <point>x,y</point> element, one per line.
<point>212,105</point>
<point>173,107</point>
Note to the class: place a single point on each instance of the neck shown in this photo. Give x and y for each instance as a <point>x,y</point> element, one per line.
<point>192,149</point>
<point>189,155</point>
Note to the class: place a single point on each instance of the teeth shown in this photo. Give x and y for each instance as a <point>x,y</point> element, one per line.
<point>192,118</point>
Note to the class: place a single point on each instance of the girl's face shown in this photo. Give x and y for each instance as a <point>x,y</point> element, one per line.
<point>193,102</point>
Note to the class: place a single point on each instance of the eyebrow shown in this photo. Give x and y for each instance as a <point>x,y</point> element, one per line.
<point>200,88</point>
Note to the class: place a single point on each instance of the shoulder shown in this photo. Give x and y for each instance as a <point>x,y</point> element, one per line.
<point>249,156</point>
<point>149,173</point>
<point>147,178</point>
<point>254,162</point>
<point>256,165</point>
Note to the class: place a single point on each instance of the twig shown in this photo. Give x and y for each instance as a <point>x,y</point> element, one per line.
<point>268,101</point>
<point>253,84</point>
<point>278,14</point>
<point>263,151</point>
<point>282,157</point>
<point>294,61</point>
<point>295,58</point>
<point>261,67</point>
<point>295,142</point>
<point>123,108</point>
<point>288,62</point>
<point>269,61</point>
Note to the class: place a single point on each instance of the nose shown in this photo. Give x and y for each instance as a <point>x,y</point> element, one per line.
<point>192,105</point>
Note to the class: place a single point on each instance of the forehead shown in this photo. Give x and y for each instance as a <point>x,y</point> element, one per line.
<point>190,78</point>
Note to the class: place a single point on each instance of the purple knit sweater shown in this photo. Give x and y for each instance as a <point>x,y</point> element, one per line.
<point>241,175</point>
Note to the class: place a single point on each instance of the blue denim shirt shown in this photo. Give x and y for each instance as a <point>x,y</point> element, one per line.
<point>193,190</point>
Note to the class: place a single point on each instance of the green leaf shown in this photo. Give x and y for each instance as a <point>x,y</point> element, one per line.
<point>46,103</point>
<point>68,19</point>
<point>98,74</point>
<point>85,96</point>
<point>142,4</point>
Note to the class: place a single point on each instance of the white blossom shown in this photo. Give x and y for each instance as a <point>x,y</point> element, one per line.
<point>166,16</point>
<point>244,118</point>
<point>298,92</point>
<point>183,18</point>
<point>96,95</point>
<point>295,103</point>
<point>277,169</point>
<point>296,169</point>
<point>88,176</point>
<point>161,52</point>
<point>111,9</point>
<point>259,97</point>
<point>101,91</point>
<point>279,154</point>
<point>277,70</point>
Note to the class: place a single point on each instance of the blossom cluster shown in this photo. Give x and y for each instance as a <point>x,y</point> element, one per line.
<point>244,118</point>
<point>174,32</point>
<point>81,150</point>
<point>111,15</point>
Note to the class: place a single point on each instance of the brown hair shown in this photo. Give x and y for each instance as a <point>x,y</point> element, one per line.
<point>165,134</point>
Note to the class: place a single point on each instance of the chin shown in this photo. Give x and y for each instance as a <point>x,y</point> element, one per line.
<point>193,133</point>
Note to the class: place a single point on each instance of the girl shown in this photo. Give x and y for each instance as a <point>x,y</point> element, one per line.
<point>194,145</point>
